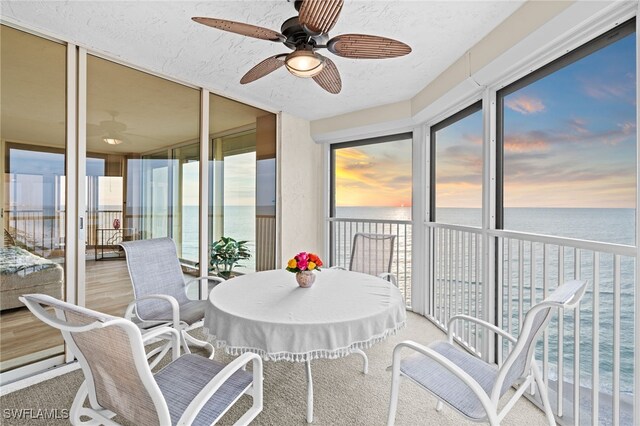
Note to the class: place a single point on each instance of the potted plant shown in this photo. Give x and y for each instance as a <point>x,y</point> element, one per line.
<point>225,253</point>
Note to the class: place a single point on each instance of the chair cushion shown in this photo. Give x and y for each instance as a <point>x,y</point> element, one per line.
<point>190,312</point>
<point>184,378</point>
<point>447,386</point>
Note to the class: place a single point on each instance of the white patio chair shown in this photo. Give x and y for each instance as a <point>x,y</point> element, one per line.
<point>118,380</point>
<point>373,254</point>
<point>160,291</point>
<point>472,386</point>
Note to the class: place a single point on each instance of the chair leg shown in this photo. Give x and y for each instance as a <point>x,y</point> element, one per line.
<point>158,354</point>
<point>78,402</point>
<point>365,360</point>
<point>543,394</point>
<point>186,337</point>
<point>439,406</point>
<point>96,417</point>
<point>395,389</point>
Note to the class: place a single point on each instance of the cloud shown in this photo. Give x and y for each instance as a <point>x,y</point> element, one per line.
<point>525,104</point>
<point>533,141</point>
<point>612,89</point>
<point>578,125</point>
<point>473,138</point>
<point>606,91</point>
<point>361,165</point>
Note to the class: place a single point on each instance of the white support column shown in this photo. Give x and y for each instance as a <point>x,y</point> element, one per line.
<point>82,171</point>
<point>326,201</point>
<point>636,353</point>
<point>279,262</point>
<point>420,281</point>
<point>203,256</point>
<point>71,205</point>
<point>489,216</point>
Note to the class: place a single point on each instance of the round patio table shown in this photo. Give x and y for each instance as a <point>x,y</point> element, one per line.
<point>269,314</point>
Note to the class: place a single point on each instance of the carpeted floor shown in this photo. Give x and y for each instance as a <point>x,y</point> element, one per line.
<point>342,394</point>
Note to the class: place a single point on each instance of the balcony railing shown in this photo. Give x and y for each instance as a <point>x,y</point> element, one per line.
<point>42,234</point>
<point>342,232</point>
<point>586,355</point>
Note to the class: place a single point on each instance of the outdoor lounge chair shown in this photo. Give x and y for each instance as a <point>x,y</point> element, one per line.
<point>472,386</point>
<point>160,290</point>
<point>118,381</point>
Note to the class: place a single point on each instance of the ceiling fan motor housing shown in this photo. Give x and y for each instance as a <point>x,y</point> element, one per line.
<point>297,36</point>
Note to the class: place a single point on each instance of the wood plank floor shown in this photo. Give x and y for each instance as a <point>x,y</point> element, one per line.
<point>23,336</point>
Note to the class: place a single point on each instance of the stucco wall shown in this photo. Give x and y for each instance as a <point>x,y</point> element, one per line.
<point>300,189</point>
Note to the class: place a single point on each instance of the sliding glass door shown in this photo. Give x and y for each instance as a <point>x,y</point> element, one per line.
<point>142,157</point>
<point>33,163</point>
<point>131,165</point>
<point>242,180</point>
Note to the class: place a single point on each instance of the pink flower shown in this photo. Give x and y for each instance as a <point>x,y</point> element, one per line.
<point>302,257</point>
<point>302,265</point>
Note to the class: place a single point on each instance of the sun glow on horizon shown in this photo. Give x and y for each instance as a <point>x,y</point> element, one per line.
<point>373,175</point>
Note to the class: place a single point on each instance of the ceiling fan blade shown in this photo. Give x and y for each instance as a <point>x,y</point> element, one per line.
<point>364,46</point>
<point>319,16</point>
<point>241,28</point>
<point>329,78</point>
<point>265,67</point>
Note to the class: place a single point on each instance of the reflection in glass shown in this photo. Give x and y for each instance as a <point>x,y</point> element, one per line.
<point>32,251</point>
<point>243,179</point>
<point>147,185</point>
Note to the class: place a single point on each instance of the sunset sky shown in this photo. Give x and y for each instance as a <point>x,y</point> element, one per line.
<point>374,175</point>
<point>570,141</point>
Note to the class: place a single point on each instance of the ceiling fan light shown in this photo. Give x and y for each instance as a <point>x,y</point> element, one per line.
<point>112,141</point>
<point>304,63</point>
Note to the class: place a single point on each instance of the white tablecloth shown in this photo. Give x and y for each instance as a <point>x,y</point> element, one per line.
<point>267,313</point>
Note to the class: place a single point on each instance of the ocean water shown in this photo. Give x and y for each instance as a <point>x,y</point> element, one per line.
<point>239,224</point>
<point>616,226</point>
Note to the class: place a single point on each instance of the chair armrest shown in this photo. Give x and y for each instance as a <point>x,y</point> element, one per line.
<point>480,322</point>
<point>391,277</point>
<point>158,332</point>
<point>469,381</point>
<point>191,412</point>
<point>189,282</point>
<point>175,307</point>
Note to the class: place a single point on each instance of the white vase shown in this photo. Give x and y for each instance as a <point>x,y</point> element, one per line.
<point>305,279</point>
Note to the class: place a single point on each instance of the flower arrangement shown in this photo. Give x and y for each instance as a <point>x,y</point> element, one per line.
<point>304,261</point>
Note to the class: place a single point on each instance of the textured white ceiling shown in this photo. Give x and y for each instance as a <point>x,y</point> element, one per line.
<point>160,36</point>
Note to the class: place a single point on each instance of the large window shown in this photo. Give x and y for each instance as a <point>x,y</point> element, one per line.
<point>371,193</point>
<point>372,179</point>
<point>569,144</point>
<point>456,168</point>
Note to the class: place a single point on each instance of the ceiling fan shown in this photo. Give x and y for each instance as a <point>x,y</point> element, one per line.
<point>111,131</point>
<point>307,33</point>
